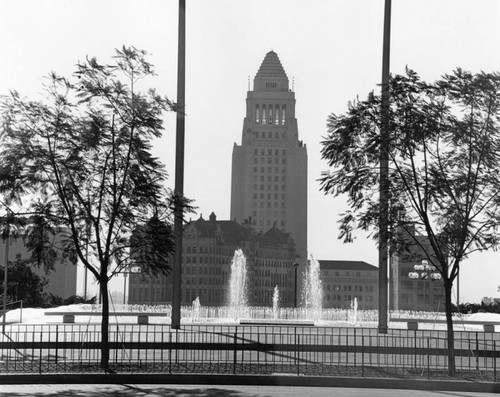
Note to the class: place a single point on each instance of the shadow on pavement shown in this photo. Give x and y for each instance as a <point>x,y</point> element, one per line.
<point>123,390</point>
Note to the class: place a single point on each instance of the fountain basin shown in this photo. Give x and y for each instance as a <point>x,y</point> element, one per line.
<point>285,322</point>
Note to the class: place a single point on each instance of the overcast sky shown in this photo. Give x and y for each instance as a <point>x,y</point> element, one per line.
<point>331,48</point>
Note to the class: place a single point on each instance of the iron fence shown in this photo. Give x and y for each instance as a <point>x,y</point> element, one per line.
<point>249,349</point>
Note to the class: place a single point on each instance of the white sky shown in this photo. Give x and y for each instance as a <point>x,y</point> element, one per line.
<point>333,49</point>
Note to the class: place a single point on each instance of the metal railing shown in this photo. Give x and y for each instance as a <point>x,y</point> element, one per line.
<point>250,349</point>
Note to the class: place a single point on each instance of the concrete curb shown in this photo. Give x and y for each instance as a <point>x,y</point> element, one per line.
<point>262,380</point>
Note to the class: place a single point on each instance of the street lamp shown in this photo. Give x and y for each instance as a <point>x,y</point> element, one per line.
<point>296,267</point>
<point>424,271</point>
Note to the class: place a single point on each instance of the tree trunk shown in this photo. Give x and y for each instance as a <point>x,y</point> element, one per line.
<point>104,325</point>
<point>449,328</point>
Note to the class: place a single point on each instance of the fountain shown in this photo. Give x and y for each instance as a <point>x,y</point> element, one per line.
<point>238,300</point>
<point>276,302</point>
<point>353,313</point>
<point>195,307</point>
<point>313,290</point>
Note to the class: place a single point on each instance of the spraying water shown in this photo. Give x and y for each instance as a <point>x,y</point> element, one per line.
<point>353,317</point>
<point>276,302</point>
<point>313,289</point>
<point>237,284</point>
<point>195,314</point>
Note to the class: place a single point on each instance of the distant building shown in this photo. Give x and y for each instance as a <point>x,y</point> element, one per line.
<point>61,280</point>
<point>414,294</point>
<point>345,280</point>
<point>208,249</point>
<point>269,169</point>
<point>490,301</point>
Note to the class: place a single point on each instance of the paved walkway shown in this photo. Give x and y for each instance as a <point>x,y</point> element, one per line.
<point>85,390</point>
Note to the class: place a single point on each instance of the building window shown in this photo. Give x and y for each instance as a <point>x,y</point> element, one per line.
<point>257,114</point>
<point>263,114</point>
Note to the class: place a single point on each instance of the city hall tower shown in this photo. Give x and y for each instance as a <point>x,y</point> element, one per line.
<point>269,170</point>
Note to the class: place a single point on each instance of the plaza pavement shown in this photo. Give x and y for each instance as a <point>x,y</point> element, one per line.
<point>156,390</point>
<point>110,385</point>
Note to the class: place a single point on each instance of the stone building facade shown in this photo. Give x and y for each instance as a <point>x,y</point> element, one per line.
<point>422,294</point>
<point>345,280</point>
<point>61,280</point>
<point>208,249</point>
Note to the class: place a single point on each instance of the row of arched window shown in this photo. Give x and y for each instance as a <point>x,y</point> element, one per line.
<point>270,114</point>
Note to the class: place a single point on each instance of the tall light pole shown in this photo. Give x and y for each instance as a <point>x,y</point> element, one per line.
<point>384,176</point>
<point>179,167</point>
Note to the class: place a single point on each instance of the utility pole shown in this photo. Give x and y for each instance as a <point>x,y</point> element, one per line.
<point>179,168</point>
<point>384,176</point>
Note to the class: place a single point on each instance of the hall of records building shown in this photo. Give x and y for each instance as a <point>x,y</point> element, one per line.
<point>208,249</point>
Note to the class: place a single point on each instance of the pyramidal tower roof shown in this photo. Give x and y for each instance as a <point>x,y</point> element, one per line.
<point>271,67</point>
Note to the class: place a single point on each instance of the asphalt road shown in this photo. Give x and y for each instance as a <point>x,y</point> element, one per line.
<point>81,390</point>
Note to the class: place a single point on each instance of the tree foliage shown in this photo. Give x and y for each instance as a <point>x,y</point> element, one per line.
<point>24,284</point>
<point>152,242</point>
<point>444,141</point>
<point>80,163</point>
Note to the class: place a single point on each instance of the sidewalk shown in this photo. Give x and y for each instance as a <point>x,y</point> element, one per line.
<point>245,383</point>
<point>133,390</point>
